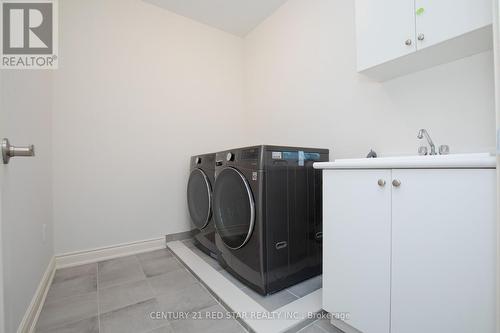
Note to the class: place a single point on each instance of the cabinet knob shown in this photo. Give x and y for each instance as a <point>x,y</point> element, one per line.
<point>396,183</point>
<point>408,42</point>
<point>421,37</point>
<point>381,182</point>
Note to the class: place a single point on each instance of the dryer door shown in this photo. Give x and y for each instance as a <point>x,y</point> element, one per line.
<point>234,208</point>
<point>199,196</point>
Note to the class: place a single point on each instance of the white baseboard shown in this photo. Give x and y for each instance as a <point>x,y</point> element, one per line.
<point>109,252</point>
<point>33,312</point>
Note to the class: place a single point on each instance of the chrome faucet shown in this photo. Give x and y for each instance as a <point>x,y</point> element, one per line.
<point>423,132</point>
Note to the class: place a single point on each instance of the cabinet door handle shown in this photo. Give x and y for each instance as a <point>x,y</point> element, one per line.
<point>396,183</point>
<point>408,42</point>
<point>421,37</point>
<point>281,245</point>
<point>381,183</point>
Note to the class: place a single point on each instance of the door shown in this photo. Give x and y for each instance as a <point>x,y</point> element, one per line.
<point>357,247</point>
<point>443,251</point>
<point>25,190</point>
<point>385,30</point>
<point>234,208</point>
<point>2,130</point>
<point>437,21</point>
<point>199,198</point>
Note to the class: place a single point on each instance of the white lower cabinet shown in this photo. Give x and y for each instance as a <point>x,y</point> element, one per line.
<point>418,255</point>
<point>357,247</point>
<point>443,251</point>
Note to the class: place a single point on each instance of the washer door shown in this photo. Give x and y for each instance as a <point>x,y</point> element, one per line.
<point>234,208</point>
<point>199,196</point>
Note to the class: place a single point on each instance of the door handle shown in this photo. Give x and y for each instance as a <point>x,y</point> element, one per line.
<point>9,151</point>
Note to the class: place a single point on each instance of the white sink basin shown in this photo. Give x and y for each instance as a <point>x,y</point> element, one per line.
<point>476,160</point>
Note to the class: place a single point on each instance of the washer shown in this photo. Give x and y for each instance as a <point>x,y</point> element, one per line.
<point>268,215</point>
<point>199,198</point>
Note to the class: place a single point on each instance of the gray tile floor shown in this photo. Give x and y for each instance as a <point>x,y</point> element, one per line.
<point>120,295</point>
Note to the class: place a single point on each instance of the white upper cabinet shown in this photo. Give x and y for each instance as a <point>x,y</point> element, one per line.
<point>397,37</point>
<point>385,30</point>
<point>438,21</point>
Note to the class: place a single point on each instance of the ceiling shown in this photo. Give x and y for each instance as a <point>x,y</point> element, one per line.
<point>237,17</point>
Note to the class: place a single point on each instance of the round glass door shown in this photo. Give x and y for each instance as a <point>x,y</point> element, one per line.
<point>234,209</point>
<point>199,196</point>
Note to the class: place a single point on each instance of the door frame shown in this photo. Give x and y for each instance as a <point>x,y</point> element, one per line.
<point>496,42</point>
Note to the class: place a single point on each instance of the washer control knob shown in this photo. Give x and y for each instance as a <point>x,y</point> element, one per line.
<point>230,157</point>
<point>197,160</point>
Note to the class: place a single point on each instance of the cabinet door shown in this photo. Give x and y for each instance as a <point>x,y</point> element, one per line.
<point>443,251</point>
<point>357,247</point>
<point>383,29</point>
<point>445,19</point>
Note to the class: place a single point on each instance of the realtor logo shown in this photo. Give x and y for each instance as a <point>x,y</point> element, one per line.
<point>29,34</point>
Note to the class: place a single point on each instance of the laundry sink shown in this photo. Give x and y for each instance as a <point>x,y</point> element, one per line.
<point>475,160</point>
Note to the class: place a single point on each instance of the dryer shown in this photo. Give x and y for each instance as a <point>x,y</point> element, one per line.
<point>268,215</point>
<point>199,198</point>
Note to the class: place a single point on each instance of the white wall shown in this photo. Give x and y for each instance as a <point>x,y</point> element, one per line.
<point>302,89</point>
<point>26,187</point>
<point>139,90</point>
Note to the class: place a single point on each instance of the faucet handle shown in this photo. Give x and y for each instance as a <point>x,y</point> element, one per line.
<point>422,151</point>
<point>444,150</point>
<point>372,154</point>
